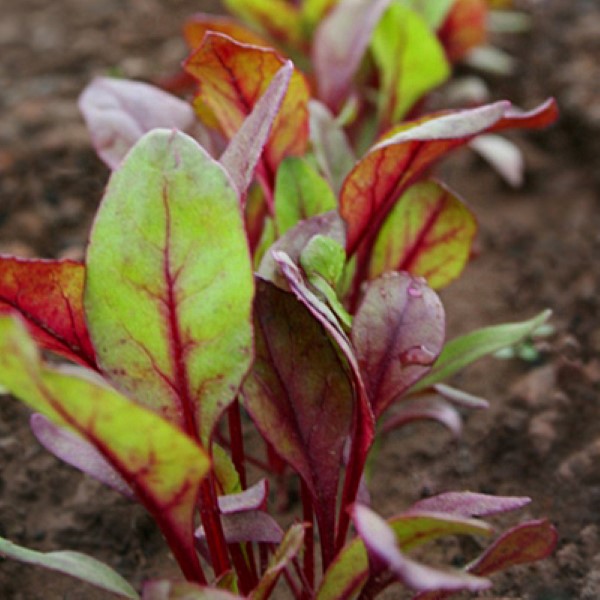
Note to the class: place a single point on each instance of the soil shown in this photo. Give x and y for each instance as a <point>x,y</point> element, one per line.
<point>539,247</point>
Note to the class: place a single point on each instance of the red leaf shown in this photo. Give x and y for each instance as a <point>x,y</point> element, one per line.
<point>464,28</point>
<point>300,397</point>
<point>232,77</point>
<point>398,332</point>
<point>48,294</point>
<point>524,543</point>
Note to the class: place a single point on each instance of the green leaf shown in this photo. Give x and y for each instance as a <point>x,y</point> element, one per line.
<point>225,471</point>
<point>300,193</point>
<point>162,465</point>
<point>173,328</point>
<point>433,11</point>
<point>462,351</point>
<point>75,564</point>
<point>410,59</point>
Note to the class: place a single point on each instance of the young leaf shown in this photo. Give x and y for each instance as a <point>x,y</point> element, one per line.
<point>410,59</point>
<point>294,241</point>
<point>287,550</point>
<point>245,149</point>
<point>248,526</point>
<point>466,349</point>
<point>48,294</point>
<point>232,77</point>
<point>330,144</point>
<point>377,181</point>
<point>253,498</point>
<point>277,18</point>
<point>300,397</point>
<point>429,232</point>
<point>183,590</point>
<point>339,45</point>
<point>199,24</point>
<point>162,465</point>
<point>380,540</point>
<point>300,193</point>
<point>398,332</point>
<point>350,570</point>
<point>173,329</point>
<point>469,504</point>
<point>119,112</point>
<point>74,564</point>
<point>75,451</point>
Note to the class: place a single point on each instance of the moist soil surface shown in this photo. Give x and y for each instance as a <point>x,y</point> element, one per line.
<point>538,247</point>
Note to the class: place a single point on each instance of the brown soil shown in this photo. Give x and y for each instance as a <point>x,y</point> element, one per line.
<point>540,247</point>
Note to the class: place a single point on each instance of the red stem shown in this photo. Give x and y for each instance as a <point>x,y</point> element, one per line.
<point>309,539</point>
<point>247,577</point>
<point>237,441</point>
<point>211,521</point>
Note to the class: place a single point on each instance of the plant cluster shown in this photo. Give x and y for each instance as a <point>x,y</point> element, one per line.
<point>245,264</point>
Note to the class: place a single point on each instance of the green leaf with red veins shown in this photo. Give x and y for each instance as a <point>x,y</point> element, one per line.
<point>162,589</point>
<point>340,43</point>
<point>277,18</point>
<point>410,60</point>
<point>290,546</point>
<point>300,398</point>
<point>199,24</point>
<point>377,181</point>
<point>397,332</point>
<point>162,465</point>
<point>300,193</point>
<point>173,328</point>
<point>464,28</point>
<point>48,294</point>
<point>429,232</point>
<point>232,77</point>
<point>350,569</point>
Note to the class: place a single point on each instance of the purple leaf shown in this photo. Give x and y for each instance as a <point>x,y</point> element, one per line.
<point>398,332</point>
<point>119,112</point>
<point>363,426</point>
<point>425,408</point>
<point>245,148</point>
<point>470,504</point>
<point>383,549</point>
<point>300,398</point>
<point>339,45</point>
<point>249,526</point>
<point>75,451</point>
<point>254,498</point>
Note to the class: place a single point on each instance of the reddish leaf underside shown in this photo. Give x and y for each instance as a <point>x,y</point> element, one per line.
<point>232,77</point>
<point>377,181</point>
<point>300,397</point>
<point>429,232</point>
<point>398,332</point>
<point>48,295</point>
